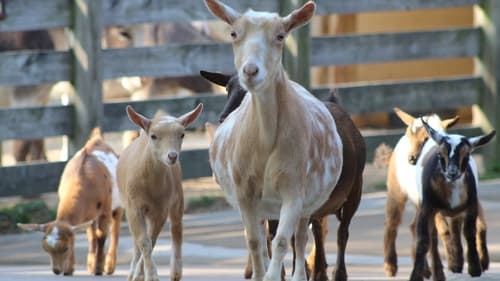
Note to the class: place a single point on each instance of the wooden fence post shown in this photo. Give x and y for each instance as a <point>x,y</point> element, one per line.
<point>85,41</point>
<point>489,115</point>
<point>296,56</point>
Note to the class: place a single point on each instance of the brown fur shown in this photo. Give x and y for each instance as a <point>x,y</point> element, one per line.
<point>85,201</point>
<point>151,188</point>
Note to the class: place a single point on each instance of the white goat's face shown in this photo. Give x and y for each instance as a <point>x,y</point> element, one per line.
<point>258,40</point>
<point>165,138</point>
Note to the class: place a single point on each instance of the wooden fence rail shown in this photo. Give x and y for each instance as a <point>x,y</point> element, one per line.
<point>86,66</point>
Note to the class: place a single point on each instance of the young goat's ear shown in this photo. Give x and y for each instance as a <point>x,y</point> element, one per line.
<point>435,135</point>
<point>300,16</point>
<point>189,117</point>
<point>32,226</point>
<point>448,123</point>
<point>481,140</point>
<point>222,11</point>
<point>138,119</point>
<point>81,227</point>
<point>405,117</point>
<point>216,77</point>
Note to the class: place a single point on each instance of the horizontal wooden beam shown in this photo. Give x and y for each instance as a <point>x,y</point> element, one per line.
<point>36,14</point>
<point>33,179</point>
<point>36,122</point>
<point>34,67</point>
<point>360,6</point>
<point>369,48</point>
<point>421,95</point>
<point>115,118</point>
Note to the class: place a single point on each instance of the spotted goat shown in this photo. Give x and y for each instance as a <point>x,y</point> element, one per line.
<point>88,199</point>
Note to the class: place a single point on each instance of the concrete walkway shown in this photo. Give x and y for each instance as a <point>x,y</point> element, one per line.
<point>214,246</point>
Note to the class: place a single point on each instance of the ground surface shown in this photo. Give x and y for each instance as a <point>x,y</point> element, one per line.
<point>214,247</point>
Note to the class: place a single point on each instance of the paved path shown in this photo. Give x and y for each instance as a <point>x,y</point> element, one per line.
<point>214,247</point>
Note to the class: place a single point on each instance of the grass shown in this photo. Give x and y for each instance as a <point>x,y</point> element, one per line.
<point>34,211</point>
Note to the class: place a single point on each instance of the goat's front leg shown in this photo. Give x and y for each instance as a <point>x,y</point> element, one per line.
<point>110,265</point>
<point>289,217</point>
<point>138,228</point>
<point>176,231</point>
<point>423,218</point>
<point>469,229</point>
<point>437,266</point>
<point>255,237</point>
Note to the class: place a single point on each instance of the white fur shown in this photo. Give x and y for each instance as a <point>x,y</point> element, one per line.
<point>454,141</point>
<point>53,237</point>
<point>456,193</point>
<point>110,161</point>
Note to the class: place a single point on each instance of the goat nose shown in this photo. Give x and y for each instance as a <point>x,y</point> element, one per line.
<point>56,271</point>
<point>250,69</point>
<point>172,156</point>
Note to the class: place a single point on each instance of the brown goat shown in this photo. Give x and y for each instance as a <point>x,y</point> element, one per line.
<point>350,180</point>
<point>150,181</point>
<point>88,199</point>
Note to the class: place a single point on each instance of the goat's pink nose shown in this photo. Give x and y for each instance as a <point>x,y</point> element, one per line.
<point>250,69</point>
<point>172,156</point>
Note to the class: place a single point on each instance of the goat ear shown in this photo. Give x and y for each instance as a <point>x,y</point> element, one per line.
<point>405,117</point>
<point>81,227</point>
<point>300,16</point>
<point>222,11</point>
<point>189,117</point>
<point>447,123</point>
<point>216,77</point>
<point>435,135</point>
<point>32,226</point>
<point>481,140</point>
<point>138,119</point>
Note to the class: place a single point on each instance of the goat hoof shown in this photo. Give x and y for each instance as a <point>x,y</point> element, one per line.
<point>427,273</point>
<point>390,269</point>
<point>320,276</point>
<point>475,271</point>
<point>439,276</point>
<point>340,275</point>
<point>109,268</point>
<point>455,268</point>
<point>485,263</point>
<point>248,274</point>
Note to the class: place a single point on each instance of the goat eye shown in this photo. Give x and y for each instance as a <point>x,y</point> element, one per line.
<point>280,37</point>
<point>234,35</point>
<point>154,137</point>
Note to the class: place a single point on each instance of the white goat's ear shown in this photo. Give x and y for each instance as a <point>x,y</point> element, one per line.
<point>189,117</point>
<point>222,11</point>
<point>405,117</point>
<point>435,135</point>
<point>138,119</point>
<point>481,140</point>
<point>447,123</point>
<point>82,226</point>
<point>32,226</point>
<point>300,16</point>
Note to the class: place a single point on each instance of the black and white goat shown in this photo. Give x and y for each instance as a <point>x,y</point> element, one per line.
<point>449,186</point>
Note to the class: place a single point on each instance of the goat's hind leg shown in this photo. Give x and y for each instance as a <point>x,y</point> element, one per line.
<point>317,259</point>
<point>92,239</point>
<point>300,246</point>
<point>110,264</point>
<point>393,213</point>
<point>482,247</point>
<point>452,238</point>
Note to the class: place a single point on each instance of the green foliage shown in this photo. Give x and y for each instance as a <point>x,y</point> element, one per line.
<point>35,211</point>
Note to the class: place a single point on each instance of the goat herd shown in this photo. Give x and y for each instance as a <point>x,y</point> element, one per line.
<point>278,154</point>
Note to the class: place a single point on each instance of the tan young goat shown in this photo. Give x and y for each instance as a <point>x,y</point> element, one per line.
<point>88,199</point>
<point>150,181</point>
<point>279,155</point>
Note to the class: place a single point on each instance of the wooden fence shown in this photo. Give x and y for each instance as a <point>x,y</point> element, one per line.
<point>86,65</point>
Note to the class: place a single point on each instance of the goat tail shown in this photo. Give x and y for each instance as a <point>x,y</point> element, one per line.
<point>382,156</point>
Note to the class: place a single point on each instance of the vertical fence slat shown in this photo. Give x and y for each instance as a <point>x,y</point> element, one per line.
<point>87,79</point>
<point>489,104</point>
